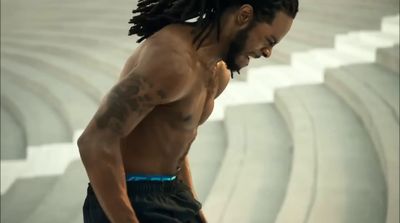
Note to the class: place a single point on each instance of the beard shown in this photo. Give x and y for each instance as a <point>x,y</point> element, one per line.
<point>236,47</point>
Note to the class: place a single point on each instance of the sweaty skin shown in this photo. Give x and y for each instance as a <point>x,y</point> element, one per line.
<point>166,90</point>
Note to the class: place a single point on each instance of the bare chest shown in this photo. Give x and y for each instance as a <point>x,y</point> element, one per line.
<point>196,107</point>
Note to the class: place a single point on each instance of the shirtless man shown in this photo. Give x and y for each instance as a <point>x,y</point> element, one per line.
<point>135,147</point>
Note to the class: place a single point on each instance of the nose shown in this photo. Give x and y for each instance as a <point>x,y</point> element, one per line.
<point>266,52</point>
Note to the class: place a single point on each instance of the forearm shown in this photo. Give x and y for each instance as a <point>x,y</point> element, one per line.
<point>107,178</point>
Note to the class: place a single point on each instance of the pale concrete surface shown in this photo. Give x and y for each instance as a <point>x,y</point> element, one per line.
<point>258,187</point>
<point>86,28</point>
<point>302,182</point>
<point>41,119</point>
<point>77,72</point>
<point>64,201</point>
<point>381,124</point>
<point>13,141</point>
<point>24,197</point>
<point>389,58</point>
<point>349,183</point>
<point>380,81</point>
<point>206,155</point>
<point>46,160</point>
<point>69,97</point>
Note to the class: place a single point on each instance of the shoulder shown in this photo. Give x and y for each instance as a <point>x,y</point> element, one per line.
<point>166,66</point>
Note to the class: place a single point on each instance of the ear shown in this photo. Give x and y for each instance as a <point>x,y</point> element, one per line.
<point>244,15</point>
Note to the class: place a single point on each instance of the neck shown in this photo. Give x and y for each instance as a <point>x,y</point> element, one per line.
<point>213,50</point>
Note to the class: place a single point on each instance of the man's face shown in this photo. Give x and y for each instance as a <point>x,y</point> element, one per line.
<point>256,40</point>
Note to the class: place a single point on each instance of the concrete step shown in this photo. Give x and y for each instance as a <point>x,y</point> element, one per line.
<point>108,61</point>
<point>314,62</point>
<point>70,98</point>
<point>64,201</point>
<point>259,86</point>
<point>313,32</point>
<point>378,36</point>
<point>42,14</point>
<point>124,44</point>
<point>41,118</point>
<point>391,24</point>
<point>380,81</point>
<point>78,218</point>
<point>41,92</point>
<point>237,93</point>
<point>362,18</point>
<point>13,135</point>
<point>46,160</point>
<point>92,27</point>
<point>211,136</point>
<point>288,46</point>
<point>24,197</point>
<point>367,3</point>
<point>206,155</point>
<point>347,183</point>
<point>94,83</point>
<point>255,191</point>
<point>127,5</point>
<point>380,123</point>
<point>340,4</point>
<point>389,58</point>
<point>303,174</point>
<point>39,16</point>
<point>356,45</point>
<point>268,79</point>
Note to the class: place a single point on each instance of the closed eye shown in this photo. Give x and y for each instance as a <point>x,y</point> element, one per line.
<point>270,42</point>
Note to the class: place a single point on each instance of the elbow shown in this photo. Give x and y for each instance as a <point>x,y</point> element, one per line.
<point>82,142</point>
<point>95,148</point>
<point>85,145</point>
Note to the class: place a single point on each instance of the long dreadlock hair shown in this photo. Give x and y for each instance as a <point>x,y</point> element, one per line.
<point>152,15</point>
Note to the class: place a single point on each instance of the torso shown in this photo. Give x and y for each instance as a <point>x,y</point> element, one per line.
<point>162,139</point>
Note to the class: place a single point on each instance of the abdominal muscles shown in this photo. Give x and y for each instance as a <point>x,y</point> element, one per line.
<point>156,147</point>
<point>159,144</point>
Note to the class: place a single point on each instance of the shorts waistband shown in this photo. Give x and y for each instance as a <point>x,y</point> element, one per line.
<point>145,187</point>
<point>144,177</point>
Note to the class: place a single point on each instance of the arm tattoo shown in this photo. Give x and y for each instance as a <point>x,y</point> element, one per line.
<point>126,97</point>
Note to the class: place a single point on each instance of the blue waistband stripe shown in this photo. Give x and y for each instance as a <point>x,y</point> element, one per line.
<point>136,177</point>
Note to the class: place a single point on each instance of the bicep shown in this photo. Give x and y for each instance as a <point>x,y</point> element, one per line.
<point>150,83</point>
<point>126,104</point>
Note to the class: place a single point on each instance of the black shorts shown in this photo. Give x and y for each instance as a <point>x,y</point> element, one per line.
<point>153,202</point>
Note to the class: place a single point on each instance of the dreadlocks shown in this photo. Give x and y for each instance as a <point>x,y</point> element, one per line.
<point>153,15</point>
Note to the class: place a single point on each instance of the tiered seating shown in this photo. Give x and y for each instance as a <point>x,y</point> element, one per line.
<point>13,141</point>
<point>61,199</point>
<point>60,57</point>
<point>42,117</point>
<point>251,183</point>
<point>318,22</point>
<point>24,197</point>
<point>389,58</point>
<point>61,203</point>
<point>206,155</point>
<point>344,182</point>
<point>85,77</point>
<point>69,98</point>
<point>373,93</point>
